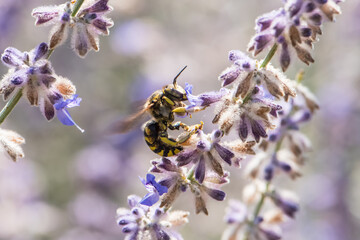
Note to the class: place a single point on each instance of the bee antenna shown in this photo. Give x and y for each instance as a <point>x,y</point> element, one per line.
<point>174,82</point>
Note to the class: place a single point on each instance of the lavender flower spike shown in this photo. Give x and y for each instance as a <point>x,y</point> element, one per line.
<point>155,190</point>
<point>62,112</point>
<point>87,25</point>
<point>203,100</point>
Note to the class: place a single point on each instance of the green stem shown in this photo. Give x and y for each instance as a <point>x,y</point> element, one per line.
<point>269,56</point>
<point>49,53</point>
<point>256,212</point>
<point>278,144</point>
<point>261,202</point>
<point>247,97</point>
<point>15,99</point>
<point>191,173</point>
<point>266,61</point>
<point>10,106</point>
<point>77,7</point>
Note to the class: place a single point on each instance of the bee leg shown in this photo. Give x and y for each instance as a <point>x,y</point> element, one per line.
<point>191,110</point>
<point>190,130</point>
<point>183,137</point>
<point>168,100</point>
<point>196,127</point>
<point>168,141</point>
<point>177,125</point>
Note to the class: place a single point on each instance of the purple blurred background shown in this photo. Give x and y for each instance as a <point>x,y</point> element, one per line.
<point>69,184</point>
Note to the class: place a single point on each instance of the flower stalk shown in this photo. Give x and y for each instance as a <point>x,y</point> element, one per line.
<point>49,53</point>
<point>256,212</point>
<point>269,56</point>
<point>77,7</point>
<point>266,61</point>
<point>10,105</point>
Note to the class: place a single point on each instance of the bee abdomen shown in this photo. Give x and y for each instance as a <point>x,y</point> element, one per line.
<point>158,140</point>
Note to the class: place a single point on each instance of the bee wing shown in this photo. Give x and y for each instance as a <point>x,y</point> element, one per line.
<point>131,122</point>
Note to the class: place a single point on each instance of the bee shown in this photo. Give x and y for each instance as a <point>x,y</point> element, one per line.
<point>161,105</point>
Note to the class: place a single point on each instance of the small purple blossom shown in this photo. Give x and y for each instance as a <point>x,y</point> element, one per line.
<point>287,205</point>
<point>203,100</point>
<point>155,190</point>
<point>179,179</point>
<point>297,24</point>
<point>62,113</point>
<point>152,222</point>
<point>253,117</point>
<point>31,73</point>
<point>87,25</point>
<point>275,164</point>
<point>291,122</point>
<point>245,79</point>
<point>242,65</point>
<point>208,149</point>
<point>236,212</point>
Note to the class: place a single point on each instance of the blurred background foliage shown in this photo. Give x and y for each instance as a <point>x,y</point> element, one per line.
<point>70,184</point>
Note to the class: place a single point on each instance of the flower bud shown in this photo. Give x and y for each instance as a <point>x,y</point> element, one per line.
<point>40,51</point>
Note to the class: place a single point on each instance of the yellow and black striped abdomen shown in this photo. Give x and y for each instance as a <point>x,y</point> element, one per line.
<point>158,141</point>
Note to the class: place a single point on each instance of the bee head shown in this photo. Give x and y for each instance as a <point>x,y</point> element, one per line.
<point>174,91</point>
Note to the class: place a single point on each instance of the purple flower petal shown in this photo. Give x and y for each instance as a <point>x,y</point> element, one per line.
<point>187,157</point>
<point>236,55</point>
<point>99,6</point>
<point>150,199</point>
<point>224,153</point>
<point>264,23</point>
<point>295,7</point>
<point>243,129</point>
<point>12,57</point>
<point>101,25</point>
<point>200,170</point>
<point>209,98</point>
<point>62,113</point>
<point>257,130</point>
<point>45,15</point>
<point>155,190</point>
<point>216,135</point>
<point>64,117</point>
<point>168,165</point>
<point>270,235</point>
<point>195,101</point>
<point>268,172</point>
<point>229,75</point>
<point>160,234</point>
<point>309,7</point>
<point>150,179</point>
<point>215,194</point>
<point>262,41</point>
<point>40,51</point>
<point>19,78</point>
<point>316,19</point>
<point>205,99</point>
